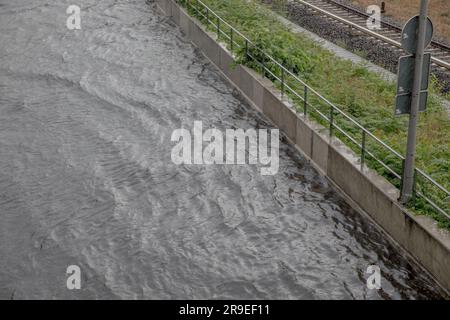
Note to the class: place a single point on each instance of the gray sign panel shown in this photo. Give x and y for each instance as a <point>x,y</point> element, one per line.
<point>406,67</point>
<point>403,103</point>
<point>410,34</point>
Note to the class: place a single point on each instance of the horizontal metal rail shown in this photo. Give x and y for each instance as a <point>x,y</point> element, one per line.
<point>385,23</point>
<point>367,31</point>
<point>220,26</point>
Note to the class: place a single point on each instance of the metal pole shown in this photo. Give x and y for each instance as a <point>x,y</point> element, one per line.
<point>408,173</point>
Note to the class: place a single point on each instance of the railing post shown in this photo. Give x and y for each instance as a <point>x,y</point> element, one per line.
<point>231,39</point>
<point>218,28</point>
<point>207,16</point>
<point>363,149</point>
<point>263,69</point>
<point>282,81</point>
<point>305,101</point>
<point>331,120</point>
<point>246,49</point>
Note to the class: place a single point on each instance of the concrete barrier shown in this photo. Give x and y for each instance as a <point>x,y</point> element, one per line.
<point>368,192</point>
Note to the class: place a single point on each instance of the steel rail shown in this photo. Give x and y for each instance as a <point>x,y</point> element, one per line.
<point>385,23</point>
<point>374,34</point>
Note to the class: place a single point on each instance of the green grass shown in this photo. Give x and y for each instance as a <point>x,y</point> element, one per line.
<point>364,95</point>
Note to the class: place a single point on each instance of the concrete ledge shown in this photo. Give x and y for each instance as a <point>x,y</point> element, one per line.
<point>271,106</point>
<point>185,20</point>
<point>365,189</point>
<point>304,137</point>
<point>227,65</point>
<point>175,14</point>
<point>319,150</point>
<point>211,49</point>
<point>247,79</point>
<point>288,123</point>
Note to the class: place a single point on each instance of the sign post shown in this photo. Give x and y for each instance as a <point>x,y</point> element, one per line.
<point>415,41</point>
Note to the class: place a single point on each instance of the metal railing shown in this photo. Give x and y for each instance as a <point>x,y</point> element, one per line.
<point>372,151</point>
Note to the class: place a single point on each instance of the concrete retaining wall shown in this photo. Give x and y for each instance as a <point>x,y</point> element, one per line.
<point>365,190</point>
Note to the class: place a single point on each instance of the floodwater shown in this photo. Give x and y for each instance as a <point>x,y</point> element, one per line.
<point>86,176</point>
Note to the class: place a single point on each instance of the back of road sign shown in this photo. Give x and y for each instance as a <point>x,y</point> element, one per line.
<point>406,81</point>
<point>403,103</point>
<point>406,73</point>
<point>410,34</point>
<point>406,67</point>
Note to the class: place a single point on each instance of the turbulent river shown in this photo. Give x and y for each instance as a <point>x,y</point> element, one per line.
<point>86,176</point>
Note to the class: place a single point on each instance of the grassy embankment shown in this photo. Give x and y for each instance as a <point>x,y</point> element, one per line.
<point>361,94</point>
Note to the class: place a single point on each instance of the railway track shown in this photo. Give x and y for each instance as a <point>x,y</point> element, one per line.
<point>388,35</point>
